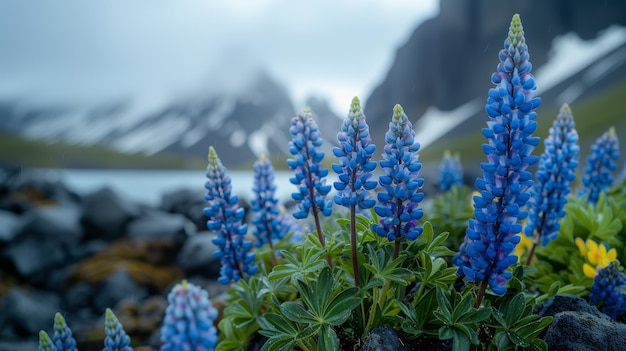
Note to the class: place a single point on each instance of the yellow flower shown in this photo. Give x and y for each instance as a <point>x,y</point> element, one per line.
<point>596,255</point>
<point>525,243</point>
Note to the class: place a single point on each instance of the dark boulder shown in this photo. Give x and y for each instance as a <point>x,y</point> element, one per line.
<point>28,312</point>
<point>197,257</point>
<point>385,339</point>
<point>10,227</point>
<point>155,224</point>
<point>117,287</point>
<point>188,203</point>
<point>44,243</point>
<point>582,331</point>
<point>106,215</point>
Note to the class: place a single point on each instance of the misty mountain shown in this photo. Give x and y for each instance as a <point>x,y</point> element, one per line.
<point>448,60</point>
<point>240,124</point>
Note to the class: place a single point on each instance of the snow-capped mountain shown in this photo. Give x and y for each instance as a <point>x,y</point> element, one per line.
<point>441,75</point>
<point>241,125</point>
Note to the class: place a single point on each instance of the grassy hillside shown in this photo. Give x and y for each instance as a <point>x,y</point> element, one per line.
<point>593,116</point>
<point>18,151</point>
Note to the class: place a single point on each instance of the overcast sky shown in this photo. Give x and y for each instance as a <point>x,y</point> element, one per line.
<point>94,51</point>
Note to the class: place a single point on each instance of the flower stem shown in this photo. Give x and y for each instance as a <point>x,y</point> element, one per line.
<point>320,234</point>
<point>355,261</point>
<point>481,293</point>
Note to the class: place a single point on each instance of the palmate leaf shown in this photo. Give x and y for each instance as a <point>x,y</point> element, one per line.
<point>312,261</point>
<point>384,269</point>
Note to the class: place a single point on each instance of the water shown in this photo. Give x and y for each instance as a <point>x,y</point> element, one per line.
<point>148,186</point>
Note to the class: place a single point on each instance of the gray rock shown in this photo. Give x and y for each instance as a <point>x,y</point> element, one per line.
<point>566,302</point>
<point>18,345</point>
<point>44,243</point>
<point>28,312</point>
<point>197,255</point>
<point>582,331</point>
<point>156,224</point>
<point>10,227</point>
<point>32,259</point>
<point>106,215</point>
<point>186,202</point>
<point>59,223</point>
<point>118,286</point>
<point>385,339</point>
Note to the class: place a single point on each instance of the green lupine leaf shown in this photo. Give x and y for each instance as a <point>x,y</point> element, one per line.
<point>279,343</point>
<point>502,340</point>
<point>296,312</point>
<point>498,317</point>
<point>517,339</point>
<point>444,305</point>
<point>462,308</point>
<point>476,316</point>
<point>515,309</point>
<point>341,306</point>
<point>327,339</point>
<point>323,290</point>
<point>460,342</point>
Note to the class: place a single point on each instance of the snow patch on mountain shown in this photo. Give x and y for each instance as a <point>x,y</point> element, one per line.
<point>570,55</point>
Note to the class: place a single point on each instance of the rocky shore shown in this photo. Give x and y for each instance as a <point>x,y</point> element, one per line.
<point>79,254</point>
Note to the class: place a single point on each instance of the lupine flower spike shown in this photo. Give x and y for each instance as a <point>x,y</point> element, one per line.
<point>45,343</point>
<point>557,169</point>
<point>309,175</point>
<point>62,337</point>
<point>268,224</point>
<point>188,321</point>
<point>609,291</point>
<point>451,171</point>
<point>491,236</point>
<point>225,218</point>
<point>600,163</point>
<point>115,337</point>
<point>399,202</point>
<point>354,170</point>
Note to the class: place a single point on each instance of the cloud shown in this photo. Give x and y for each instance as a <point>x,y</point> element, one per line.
<point>76,51</point>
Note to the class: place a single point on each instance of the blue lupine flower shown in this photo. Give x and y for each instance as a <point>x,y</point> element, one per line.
<point>115,337</point>
<point>305,146</point>
<point>45,343</point>
<point>490,239</point>
<point>266,213</point>
<point>188,321</point>
<point>600,163</point>
<point>398,207</point>
<point>62,337</point>
<point>355,168</point>
<point>557,169</point>
<point>609,290</point>
<point>225,218</point>
<point>450,171</point>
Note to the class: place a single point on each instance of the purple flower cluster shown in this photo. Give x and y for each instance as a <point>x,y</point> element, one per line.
<point>450,171</point>
<point>115,337</point>
<point>600,163</point>
<point>225,218</point>
<point>266,213</point>
<point>188,321</point>
<point>491,236</point>
<point>609,290</point>
<point>399,202</point>
<point>557,169</point>
<point>309,174</point>
<point>354,154</point>
<point>62,337</point>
